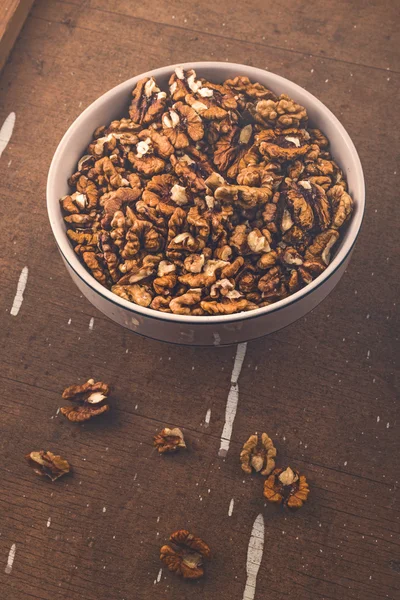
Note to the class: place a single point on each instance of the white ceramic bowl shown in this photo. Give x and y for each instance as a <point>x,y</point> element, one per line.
<point>180,329</point>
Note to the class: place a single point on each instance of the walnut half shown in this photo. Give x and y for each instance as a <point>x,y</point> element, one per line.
<point>258,454</point>
<point>90,398</point>
<point>47,464</point>
<point>184,555</point>
<point>169,440</point>
<point>287,487</point>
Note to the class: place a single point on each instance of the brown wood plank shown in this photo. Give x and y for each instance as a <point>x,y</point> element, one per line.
<point>12,17</point>
<point>352,32</point>
<point>324,388</point>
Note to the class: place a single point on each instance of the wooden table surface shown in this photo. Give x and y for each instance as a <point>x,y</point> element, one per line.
<point>324,388</point>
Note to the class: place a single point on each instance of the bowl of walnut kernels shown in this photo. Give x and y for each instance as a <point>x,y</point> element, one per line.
<point>206,203</point>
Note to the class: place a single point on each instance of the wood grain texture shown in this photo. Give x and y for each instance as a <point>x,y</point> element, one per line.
<point>12,17</point>
<point>324,388</point>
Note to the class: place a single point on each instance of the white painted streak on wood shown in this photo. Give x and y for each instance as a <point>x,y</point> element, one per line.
<point>254,557</point>
<point>208,417</point>
<point>230,414</point>
<point>217,339</point>
<point>91,324</point>
<point>6,131</point>
<point>231,505</point>
<point>239,358</point>
<point>10,560</point>
<point>19,296</point>
<point>232,401</point>
<point>158,577</point>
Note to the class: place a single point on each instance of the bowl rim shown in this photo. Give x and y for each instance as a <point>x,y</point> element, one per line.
<point>73,262</point>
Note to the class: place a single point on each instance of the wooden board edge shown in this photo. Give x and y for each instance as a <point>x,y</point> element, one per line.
<point>13,24</point>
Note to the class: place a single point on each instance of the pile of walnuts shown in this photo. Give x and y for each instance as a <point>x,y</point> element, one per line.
<point>208,200</point>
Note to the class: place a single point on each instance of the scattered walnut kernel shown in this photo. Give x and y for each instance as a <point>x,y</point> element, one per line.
<point>184,554</point>
<point>200,173</point>
<point>258,454</point>
<point>90,398</point>
<point>287,487</point>
<point>169,440</point>
<point>47,464</point>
